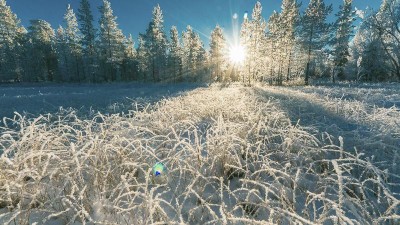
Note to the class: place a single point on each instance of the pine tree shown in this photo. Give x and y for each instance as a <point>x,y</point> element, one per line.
<point>111,43</point>
<point>256,45</point>
<point>187,56</point>
<point>43,57</point>
<point>314,30</point>
<point>9,31</point>
<point>245,35</point>
<point>175,55</point>
<point>218,53</point>
<point>156,43</point>
<point>199,58</point>
<point>73,44</point>
<point>276,47</point>
<point>85,18</point>
<point>341,40</point>
<point>290,16</point>
<point>62,54</point>
<point>20,53</point>
<point>374,67</point>
<point>129,62</point>
<point>142,58</point>
<point>194,55</point>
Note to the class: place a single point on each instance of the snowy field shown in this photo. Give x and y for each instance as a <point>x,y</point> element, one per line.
<point>234,155</point>
<point>35,99</point>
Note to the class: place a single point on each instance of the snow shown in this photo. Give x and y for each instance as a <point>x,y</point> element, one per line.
<point>107,98</point>
<point>235,155</point>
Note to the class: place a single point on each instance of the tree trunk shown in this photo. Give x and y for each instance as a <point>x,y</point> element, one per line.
<point>309,56</point>
<point>289,65</point>
<point>77,69</point>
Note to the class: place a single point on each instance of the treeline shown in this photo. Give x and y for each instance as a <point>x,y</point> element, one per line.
<point>289,46</point>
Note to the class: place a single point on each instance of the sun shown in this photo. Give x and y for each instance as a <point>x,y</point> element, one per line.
<point>237,54</point>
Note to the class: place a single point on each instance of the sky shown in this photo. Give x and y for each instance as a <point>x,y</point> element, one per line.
<point>134,15</point>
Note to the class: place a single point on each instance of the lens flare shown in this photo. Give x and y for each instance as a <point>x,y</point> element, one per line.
<point>235,16</point>
<point>159,174</point>
<point>159,170</point>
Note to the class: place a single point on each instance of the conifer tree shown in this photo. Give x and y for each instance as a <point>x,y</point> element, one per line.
<point>343,26</point>
<point>129,61</point>
<point>175,55</point>
<point>373,64</point>
<point>62,54</point>
<point>85,18</point>
<point>275,47</point>
<point>256,44</point>
<point>194,55</point>
<point>111,43</point>
<point>314,30</point>
<point>142,58</point>
<point>218,53</point>
<point>290,16</point>
<point>42,51</point>
<point>199,59</point>
<point>156,43</point>
<point>10,68</point>
<point>245,35</point>
<point>73,40</point>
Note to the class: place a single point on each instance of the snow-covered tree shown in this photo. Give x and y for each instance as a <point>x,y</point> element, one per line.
<point>129,64</point>
<point>175,55</point>
<point>275,51</point>
<point>290,16</point>
<point>10,29</point>
<point>245,35</point>
<point>43,57</point>
<point>111,43</point>
<point>62,54</point>
<point>20,52</point>
<point>156,43</point>
<point>255,43</point>
<point>314,30</point>
<point>199,59</point>
<point>73,40</point>
<point>142,58</point>
<point>85,18</point>
<point>373,65</point>
<point>194,55</point>
<point>368,55</point>
<point>386,23</point>
<point>218,53</point>
<point>344,28</point>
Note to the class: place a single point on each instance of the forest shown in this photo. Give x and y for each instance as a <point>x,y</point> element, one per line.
<point>289,47</point>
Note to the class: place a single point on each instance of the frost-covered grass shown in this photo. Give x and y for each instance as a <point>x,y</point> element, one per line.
<point>235,155</point>
<point>371,110</point>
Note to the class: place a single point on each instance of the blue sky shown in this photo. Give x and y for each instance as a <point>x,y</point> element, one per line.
<point>134,15</point>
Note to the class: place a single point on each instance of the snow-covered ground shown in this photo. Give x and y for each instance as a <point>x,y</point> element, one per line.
<point>35,99</point>
<point>235,155</point>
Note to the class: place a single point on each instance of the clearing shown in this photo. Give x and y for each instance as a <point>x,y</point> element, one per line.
<point>234,154</point>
